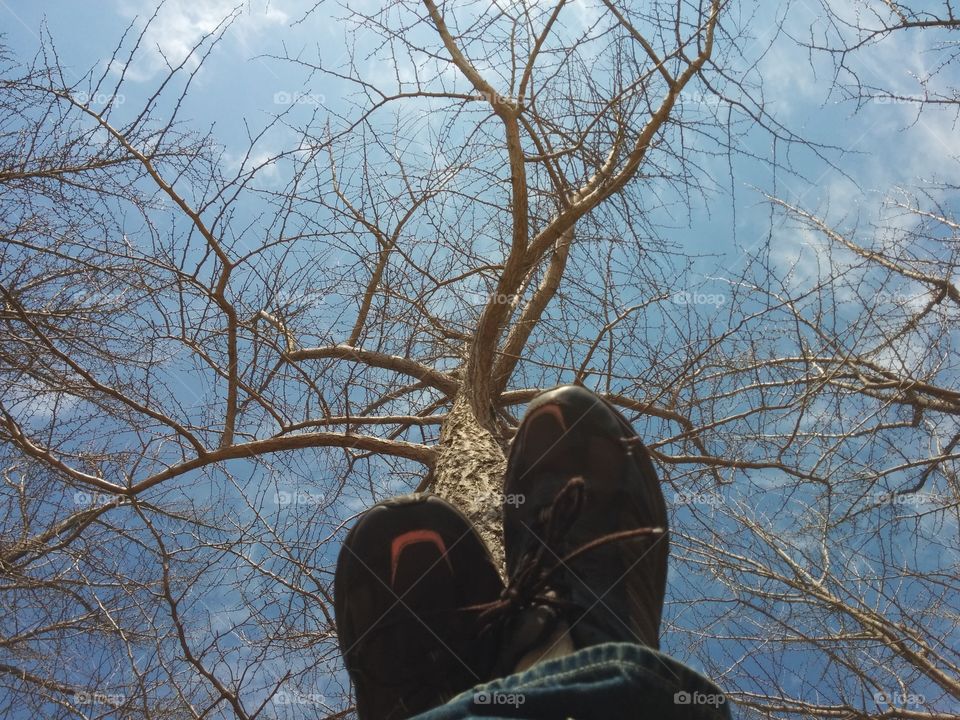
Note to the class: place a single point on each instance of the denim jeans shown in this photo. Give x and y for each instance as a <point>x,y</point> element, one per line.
<point>605,682</point>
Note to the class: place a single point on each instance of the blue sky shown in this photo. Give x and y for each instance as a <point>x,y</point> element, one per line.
<point>880,147</point>
<point>884,144</point>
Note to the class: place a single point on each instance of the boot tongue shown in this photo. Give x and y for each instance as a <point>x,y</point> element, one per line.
<point>536,633</point>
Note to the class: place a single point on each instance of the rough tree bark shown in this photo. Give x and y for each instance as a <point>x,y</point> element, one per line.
<point>468,471</point>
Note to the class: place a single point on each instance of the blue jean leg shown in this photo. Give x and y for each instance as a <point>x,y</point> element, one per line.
<point>601,682</point>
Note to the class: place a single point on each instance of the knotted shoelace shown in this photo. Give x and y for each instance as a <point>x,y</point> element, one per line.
<point>532,575</point>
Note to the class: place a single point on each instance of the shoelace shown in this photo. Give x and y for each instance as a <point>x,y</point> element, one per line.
<point>532,575</point>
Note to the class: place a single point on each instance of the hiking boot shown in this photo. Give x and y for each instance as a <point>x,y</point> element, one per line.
<point>407,577</point>
<point>584,526</point>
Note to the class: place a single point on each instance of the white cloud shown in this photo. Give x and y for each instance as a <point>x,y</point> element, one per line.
<point>269,175</point>
<point>181,24</point>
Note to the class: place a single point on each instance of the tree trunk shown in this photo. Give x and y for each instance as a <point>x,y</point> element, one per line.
<point>469,471</point>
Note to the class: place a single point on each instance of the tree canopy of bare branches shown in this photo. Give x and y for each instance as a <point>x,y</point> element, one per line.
<point>210,364</point>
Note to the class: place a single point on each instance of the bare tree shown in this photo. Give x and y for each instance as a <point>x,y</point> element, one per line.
<point>206,375</point>
<point>839,587</point>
